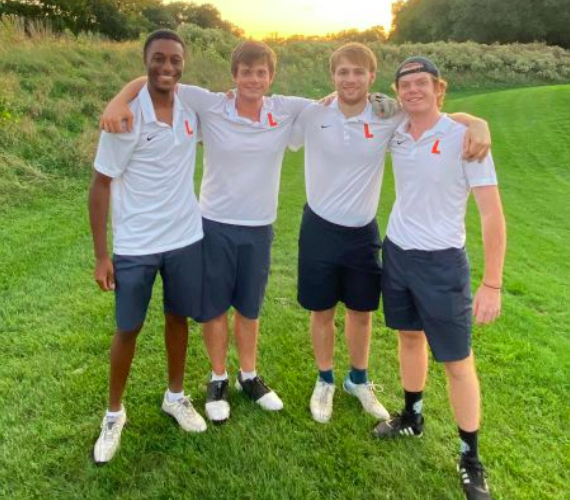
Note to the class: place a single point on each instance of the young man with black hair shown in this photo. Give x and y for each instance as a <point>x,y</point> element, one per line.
<point>147,174</point>
<point>426,283</point>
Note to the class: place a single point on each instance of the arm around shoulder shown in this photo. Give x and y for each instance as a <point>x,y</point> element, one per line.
<point>477,141</point>
<point>199,99</point>
<point>117,117</point>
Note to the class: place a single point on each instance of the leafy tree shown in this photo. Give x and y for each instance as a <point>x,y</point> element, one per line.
<point>483,21</point>
<point>118,19</point>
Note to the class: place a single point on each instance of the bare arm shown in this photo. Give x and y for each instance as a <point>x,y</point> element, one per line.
<point>118,111</point>
<point>487,302</point>
<point>478,137</point>
<point>99,196</point>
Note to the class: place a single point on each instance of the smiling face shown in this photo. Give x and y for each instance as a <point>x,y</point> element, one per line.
<point>419,92</point>
<point>164,62</point>
<point>352,81</point>
<point>253,80</point>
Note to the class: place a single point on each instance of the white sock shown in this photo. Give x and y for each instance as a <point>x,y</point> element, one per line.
<point>219,378</point>
<point>114,415</point>
<point>172,397</point>
<point>248,375</point>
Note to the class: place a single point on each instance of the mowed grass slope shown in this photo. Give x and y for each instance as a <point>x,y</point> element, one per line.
<point>56,328</point>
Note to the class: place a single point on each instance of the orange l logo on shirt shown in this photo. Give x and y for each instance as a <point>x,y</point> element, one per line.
<point>272,122</point>
<point>189,130</point>
<point>435,150</point>
<point>367,133</point>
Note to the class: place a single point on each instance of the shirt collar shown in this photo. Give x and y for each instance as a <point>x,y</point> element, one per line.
<point>147,107</point>
<point>366,116</point>
<point>266,108</point>
<point>440,128</point>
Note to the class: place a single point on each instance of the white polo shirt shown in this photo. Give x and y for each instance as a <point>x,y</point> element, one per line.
<point>153,201</point>
<point>242,158</point>
<point>344,161</point>
<point>433,183</point>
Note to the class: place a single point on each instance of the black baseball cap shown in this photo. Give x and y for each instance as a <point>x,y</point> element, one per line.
<point>424,65</point>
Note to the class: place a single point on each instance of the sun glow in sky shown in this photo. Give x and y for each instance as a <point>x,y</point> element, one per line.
<point>305,17</point>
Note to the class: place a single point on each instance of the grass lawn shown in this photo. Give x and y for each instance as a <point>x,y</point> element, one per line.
<point>56,328</point>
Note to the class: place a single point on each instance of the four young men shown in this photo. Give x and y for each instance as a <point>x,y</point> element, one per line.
<point>244,140</point>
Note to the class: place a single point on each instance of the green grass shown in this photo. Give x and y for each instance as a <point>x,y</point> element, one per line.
<point>56,328</point>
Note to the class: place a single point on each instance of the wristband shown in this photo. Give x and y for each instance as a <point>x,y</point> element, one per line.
<point>492,287</point>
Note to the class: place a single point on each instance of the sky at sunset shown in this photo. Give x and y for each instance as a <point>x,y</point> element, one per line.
<point>306,17</point>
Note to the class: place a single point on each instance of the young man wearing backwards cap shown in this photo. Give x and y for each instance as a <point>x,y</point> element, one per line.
<point>426,284</point>
<point>339,243</point>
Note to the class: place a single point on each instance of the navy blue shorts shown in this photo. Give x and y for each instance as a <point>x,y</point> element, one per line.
<point>338,264</point>
<point>429,291</point>
<point>181,272</point>
<point>236,268</point>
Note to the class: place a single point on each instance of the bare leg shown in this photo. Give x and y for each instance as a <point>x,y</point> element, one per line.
<point>176,340</point>
<point>464,393</point>
<point>246,332</point>
<point>322,334</point>
<point>215,334</point>
<point>413,360</point>
<point>358,329</point>
<point>121,356</point>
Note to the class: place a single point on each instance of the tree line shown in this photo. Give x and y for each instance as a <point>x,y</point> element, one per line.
<point>117,19</point>
<point>416,21</point>
<point>482,21</point>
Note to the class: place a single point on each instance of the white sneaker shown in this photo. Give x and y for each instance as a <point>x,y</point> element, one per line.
<point>365,393</point>
<point>185,414</point>
<point>322,401</point>
<point>110,438</point>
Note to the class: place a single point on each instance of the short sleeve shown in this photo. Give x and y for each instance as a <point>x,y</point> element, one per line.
<point>480,174</point>
<point>299,131</point>
<point>197,98</point>
<point>398,119</point>
<point>294,105</point>
<point>115,150</point>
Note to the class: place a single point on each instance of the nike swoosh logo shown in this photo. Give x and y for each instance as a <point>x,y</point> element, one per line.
<point>151,137</point>
<point>399,142</point>
<point>325,126</point>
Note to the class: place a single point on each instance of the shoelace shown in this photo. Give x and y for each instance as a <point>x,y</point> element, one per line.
<point>190,412</point>
<point>372,388</point>
<point>375,387</point>
<point>111,429</point>
<point>475,469</point>
<point>257,380</point>
<point>327,389</point>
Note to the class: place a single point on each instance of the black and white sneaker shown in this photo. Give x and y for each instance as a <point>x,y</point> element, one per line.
<point>473,479</point>
<point>259,392</point>
<point>403,424</point>
<point>217,406</point>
